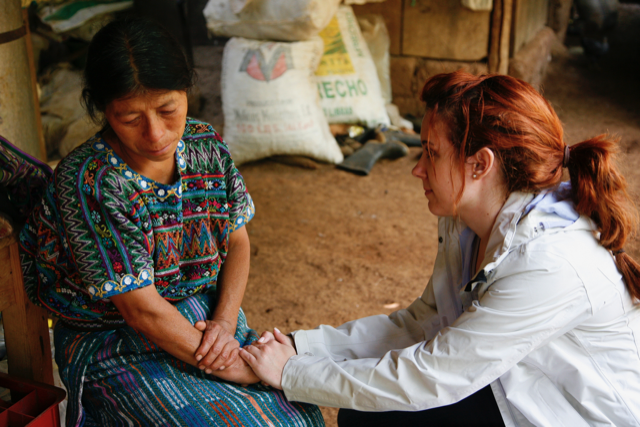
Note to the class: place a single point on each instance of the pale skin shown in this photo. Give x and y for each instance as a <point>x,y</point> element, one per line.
<point>482,199</point>
<point>144,131</point>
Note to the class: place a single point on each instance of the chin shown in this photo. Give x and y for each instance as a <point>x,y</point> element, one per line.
<point>439,210</point>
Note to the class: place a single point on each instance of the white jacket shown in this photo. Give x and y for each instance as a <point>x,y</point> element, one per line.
<point>548,323</point>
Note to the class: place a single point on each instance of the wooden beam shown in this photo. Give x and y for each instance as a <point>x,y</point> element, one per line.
<point>25,329</point>
<point>17,109</point>
<point>34,86</point>
<point>494,37</point>
<point>505,36</point>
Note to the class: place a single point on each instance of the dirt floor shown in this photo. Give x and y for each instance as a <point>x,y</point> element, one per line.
<point>329,246</point>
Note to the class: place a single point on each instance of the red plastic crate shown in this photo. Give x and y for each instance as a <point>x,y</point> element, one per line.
<point>32,404</point>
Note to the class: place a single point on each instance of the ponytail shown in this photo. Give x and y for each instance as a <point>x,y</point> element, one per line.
<point>600,192</point>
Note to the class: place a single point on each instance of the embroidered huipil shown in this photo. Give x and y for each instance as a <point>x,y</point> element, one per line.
<point>102,229</point>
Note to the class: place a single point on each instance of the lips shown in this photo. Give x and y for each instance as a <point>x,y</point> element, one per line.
<point>160,151</point>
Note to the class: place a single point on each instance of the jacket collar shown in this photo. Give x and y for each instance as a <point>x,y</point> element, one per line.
<point>526,216</point>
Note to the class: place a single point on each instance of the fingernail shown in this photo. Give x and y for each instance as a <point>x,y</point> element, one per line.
<point>208,371</point>
<point>277,330</point>
<point>261,340</point>
<point>198,357</point>
<point>201,367</point>
<point>222,368</point>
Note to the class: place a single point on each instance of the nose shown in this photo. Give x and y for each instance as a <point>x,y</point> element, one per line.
<point>154,130</point>
<point>419,169</point>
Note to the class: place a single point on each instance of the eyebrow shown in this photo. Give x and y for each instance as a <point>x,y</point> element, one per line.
<point>126,113</point>
<point>428,144</point>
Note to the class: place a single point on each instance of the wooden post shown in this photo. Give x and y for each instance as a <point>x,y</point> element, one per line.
<point>494,37</point>
<point>25,325</point>
<point>500,41</point>
<point>18,117</point>
<point>505,36</point>
<point>34,86</point>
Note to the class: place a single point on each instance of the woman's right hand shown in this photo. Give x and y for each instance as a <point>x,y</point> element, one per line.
<point>218,349</point>
<point>267,358</point>
<point>268,336</point>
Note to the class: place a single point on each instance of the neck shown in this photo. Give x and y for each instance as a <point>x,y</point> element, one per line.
<point>481,220</point>
<point>481,216</point>
<point>162,172</point>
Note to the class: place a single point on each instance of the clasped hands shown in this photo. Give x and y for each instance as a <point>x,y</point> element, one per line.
<point>267,356</point>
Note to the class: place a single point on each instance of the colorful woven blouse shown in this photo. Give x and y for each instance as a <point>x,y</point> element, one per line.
<point>102,229</point>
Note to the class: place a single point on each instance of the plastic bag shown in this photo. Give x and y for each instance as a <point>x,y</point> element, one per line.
<point>283,20</point>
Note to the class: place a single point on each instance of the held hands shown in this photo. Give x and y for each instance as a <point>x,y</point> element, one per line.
<point>218,349</point>
<point>268,356</point>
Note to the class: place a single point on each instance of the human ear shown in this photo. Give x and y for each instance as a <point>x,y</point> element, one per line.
<point>481,163</point>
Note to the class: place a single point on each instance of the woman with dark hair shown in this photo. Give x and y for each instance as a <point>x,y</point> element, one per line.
<point>531,315</point>
<point>139,247</point>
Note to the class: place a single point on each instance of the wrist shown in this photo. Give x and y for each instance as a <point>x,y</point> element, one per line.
<point>228,325</point>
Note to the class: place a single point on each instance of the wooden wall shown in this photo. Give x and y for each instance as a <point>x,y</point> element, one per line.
<point>529,17</point>
<point>437,29</point>
<point>444,29</point>
<point>391,10</point>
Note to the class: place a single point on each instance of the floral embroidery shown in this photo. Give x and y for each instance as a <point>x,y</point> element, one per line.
<point>145,278</point>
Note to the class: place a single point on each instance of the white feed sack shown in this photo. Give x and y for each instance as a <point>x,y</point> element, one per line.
<point>346,77</point>
<point>284,20</point>
<point>270,101</point>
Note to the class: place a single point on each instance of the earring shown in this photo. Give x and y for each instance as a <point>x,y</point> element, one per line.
<point>475,176</point>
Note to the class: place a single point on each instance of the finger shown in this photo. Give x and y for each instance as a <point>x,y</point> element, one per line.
<point>248,357</point>
<point>223,358</point>
<point>280,337</point>
<point>213,354</point>
<point>208,340</point>
<point>200,325</point>
<point>265,337</point>
<point>252,349</point>
<point>233,357</point>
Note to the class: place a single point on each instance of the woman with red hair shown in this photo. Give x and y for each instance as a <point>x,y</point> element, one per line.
<point>531,316</point>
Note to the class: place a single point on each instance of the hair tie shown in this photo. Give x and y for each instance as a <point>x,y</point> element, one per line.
<point>565,161</point>
<point>618,252</point>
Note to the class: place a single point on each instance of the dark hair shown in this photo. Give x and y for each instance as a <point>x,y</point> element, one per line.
<point>511,118</point>
<point>130,56</point>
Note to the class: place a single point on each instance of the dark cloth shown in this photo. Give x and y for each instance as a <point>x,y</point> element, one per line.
<point>23,180</point>
<point>478,410</point>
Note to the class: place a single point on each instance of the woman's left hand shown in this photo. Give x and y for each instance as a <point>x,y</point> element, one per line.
<point>267,360</point>
<point>219,348</point>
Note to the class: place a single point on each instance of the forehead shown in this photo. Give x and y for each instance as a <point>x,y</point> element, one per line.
<point>144,101</point>
<point>434,132</point>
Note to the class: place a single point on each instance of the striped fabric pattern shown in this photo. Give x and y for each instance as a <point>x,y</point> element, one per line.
<point>120,378</point>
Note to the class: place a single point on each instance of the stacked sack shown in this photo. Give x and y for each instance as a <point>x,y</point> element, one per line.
<point>291,68</point>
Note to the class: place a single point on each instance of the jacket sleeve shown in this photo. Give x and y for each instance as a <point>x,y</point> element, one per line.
<point>372,336</point>
<point>538,297</point>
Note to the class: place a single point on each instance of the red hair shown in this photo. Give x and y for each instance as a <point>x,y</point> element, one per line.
<point>512,119</point>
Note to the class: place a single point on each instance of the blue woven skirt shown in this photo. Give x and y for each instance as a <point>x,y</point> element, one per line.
<point>120,378</point>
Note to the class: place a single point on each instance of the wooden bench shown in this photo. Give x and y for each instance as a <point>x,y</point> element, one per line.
<point>25,325</point>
